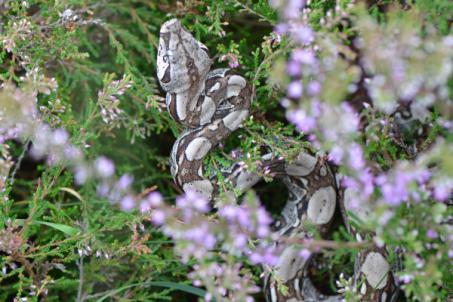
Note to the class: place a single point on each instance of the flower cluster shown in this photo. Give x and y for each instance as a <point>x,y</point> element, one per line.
<point>108,98</point>
<point>405,66</point>
<point>17,111</point>
<point>233,230</point>
<point>18,30</point>
<point>224,281</point>
<point>196,235</point>
<point>238,231</point>
<point>393,66</point>
<point>336,91</point>
<point>20,120</point>
<point>232,60</point>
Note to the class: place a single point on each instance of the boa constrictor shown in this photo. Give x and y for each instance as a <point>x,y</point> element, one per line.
<point>213,104</point>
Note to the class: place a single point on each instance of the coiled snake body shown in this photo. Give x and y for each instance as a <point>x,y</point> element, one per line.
<point>213,104</point>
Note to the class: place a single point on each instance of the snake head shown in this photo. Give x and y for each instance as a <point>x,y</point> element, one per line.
<point>182,61</point>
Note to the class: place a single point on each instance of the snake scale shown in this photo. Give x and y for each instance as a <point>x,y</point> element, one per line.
<point>211,104</point>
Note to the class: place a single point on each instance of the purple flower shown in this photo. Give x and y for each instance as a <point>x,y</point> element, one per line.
<point>431,234</point>
<point>208,297</point>
<point>314,88</point>
<point>303,34</point>
<point>396,188</point>
<point>243,218</point>
<point>423,176</point>
<point>293,8</point>
<point>406,278</point>
<point>102,189</point>
<point>196,234</point>
<point>144,206</point>
<point>182,201</point>
<point>256,258</point>
<point>295,89</point>
<point>262,231</point>
<point>158,217</point>
<point>240,241</point>
<point>443,191</point>
<point>190,201</point>
<point>281,28</point>
<point>228,211</point>
<point>293,68</point>
<point>124,182</point>
<point>390,196</point>
<point>356,160</point>
<point>155,199</point>
<point>209,241</point>
<point>127,203</point>
<point>398,71</point>
<point>53,159</point>
<point>104,167</point>
<point>350,120</point>
<point>201,204</point>
<point>301,120</point>
<point>304,253</point>
<point>350,183</point>
<point>263,217</point>
<point>336,155</point>
<point>269,257</point>
<point>233,62</point>
<point>367,180</point>
<point>60,137</point>
<point>303,56</point>
<point>72,153</point>
<point>80,174</point>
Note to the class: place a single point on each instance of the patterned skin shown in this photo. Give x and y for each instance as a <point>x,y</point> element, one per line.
<point>212,105</point>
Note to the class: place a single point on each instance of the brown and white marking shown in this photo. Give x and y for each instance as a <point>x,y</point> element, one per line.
<point>213,104</point>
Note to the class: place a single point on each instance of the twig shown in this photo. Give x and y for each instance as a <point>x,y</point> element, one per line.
<point>146,192</point>
<point>19,161</point>
<point>80,287</point>
<point>328,244</point>
<point>260,67</point>
<point>252,11</point>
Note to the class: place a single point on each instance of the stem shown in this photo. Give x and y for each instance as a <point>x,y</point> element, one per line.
<point>80,287</point>
<point>328,244</point>
<point>253,12</point>
<point>261,66</point>
<point>19,161</point>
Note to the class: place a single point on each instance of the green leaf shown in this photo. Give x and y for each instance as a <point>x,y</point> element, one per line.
<point>72,192</point>
<point>61,227</point>
<point>58,226</point>
<point>171,285</point>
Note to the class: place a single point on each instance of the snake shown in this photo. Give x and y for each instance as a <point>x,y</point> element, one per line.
<point>210,104</point>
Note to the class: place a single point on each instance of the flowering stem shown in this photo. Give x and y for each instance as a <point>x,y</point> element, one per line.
<point>328,244</point>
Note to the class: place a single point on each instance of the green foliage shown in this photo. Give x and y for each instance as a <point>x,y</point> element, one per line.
<point>61,241</point>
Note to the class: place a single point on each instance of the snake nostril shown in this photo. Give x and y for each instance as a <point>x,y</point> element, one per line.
<point>166,78</point>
